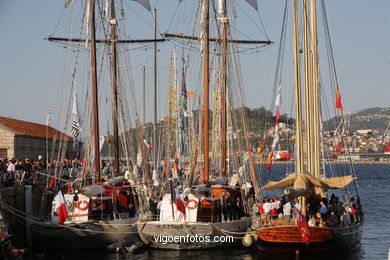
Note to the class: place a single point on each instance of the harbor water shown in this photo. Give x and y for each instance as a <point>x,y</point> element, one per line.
<point>374,189</point>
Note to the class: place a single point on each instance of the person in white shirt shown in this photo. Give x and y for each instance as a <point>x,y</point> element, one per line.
<point>287,209</point>
<point>267,209</point>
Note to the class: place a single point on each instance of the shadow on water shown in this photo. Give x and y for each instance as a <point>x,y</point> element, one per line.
<point>229,253</point>
<point>352,255</point>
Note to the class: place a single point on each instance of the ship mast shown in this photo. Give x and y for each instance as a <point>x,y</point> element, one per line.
<point>155,91</point>
<point>95,103</point>
<point>298,102</point>
<point>316,94</point>
<point>224,21</point>
<point>206,90</point>
<point>114,80</point>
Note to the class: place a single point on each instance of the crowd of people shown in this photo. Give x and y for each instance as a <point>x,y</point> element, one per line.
<point>27,171</point>
<point>318,212</point>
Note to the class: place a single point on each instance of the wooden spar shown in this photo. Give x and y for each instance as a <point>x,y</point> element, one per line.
<point>308,101</point>
<point>114,80</point>
<point>223,86</point>
<point>168,149</point>
<point>316,93</point>
<point>298,101</point>
<point>206,91</point>
<point>194,38</point>
<point>60,39</point>
<point>143,96</point>
<point>95,96</point>
<point>155,91</point>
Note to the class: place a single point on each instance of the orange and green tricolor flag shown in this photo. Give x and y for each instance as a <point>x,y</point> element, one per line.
<point>338,99</point>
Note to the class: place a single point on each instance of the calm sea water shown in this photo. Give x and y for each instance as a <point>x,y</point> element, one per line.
<point>374,189</point>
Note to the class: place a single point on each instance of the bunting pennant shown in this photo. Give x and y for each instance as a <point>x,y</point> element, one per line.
<point>271,155</point>
<point>339,106</point>
<point>150,148</point>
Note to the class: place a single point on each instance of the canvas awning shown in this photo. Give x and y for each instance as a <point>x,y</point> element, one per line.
<point>301,181</point>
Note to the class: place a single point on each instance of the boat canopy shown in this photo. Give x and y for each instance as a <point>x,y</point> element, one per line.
<point>303,181</point>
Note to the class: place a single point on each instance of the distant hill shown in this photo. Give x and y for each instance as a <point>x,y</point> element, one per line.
<point>375,118</point>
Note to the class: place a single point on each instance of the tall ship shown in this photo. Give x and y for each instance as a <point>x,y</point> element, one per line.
<point>205,196</point>
<point>320,209</point>
<point>87,208</point>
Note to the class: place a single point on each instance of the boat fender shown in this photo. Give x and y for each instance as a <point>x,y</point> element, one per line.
<point>82,205</point>
<point>247,241</point>
<point>193,206</point>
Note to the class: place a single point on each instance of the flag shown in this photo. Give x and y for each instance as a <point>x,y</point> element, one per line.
<point>303,227</point>
<point>148,145</point>
<point>340,147</point>
<point>176,164</point>
<point>339,106</point>
<point>277,115</point>
<point>62,208</point>
<point>190,94</point>
<point>50,112</point>
<point>178,200</point>
<point>271,155</point>
<point>77,120</point>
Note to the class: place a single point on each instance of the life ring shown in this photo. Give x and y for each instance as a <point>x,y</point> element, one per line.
<point>191,207</point>
<point>84,202</point>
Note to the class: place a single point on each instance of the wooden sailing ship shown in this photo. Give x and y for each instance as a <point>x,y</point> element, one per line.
<point>309,233</point>
<point>99,212</point>
<point>209,208</point>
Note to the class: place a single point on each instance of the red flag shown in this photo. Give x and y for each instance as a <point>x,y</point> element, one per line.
<point>277,115</point>
<point>387,149</point>
<point>338,99</point>
<point>62,208</point>
<point>178,200</point>
<point>340,147</point>
<point>148,145</point>
<point>271,155</point>
<point>303,227</point>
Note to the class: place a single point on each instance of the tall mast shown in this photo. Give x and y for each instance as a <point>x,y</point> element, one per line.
<point>298,102</point>
<point>114,73</point>
<point>308,95</point>
<point>95,95</point>
<point>155,91</point>
<point>206,90</point>
<point>224,21</point>
<point>143,96</point>
<point>316,93</point>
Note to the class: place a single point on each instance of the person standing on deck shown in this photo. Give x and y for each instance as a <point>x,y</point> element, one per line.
<point>287,208</point>
<point>267,209</point>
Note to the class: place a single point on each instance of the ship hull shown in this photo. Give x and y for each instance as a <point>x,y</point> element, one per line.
<point>86,235</point>
<point>188,234</point>
<point>324,239</point>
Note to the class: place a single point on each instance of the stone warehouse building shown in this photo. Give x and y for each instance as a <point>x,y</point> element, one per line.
<point>21,139</point>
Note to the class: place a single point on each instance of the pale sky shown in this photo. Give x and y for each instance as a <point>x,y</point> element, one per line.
<point>31,68</point>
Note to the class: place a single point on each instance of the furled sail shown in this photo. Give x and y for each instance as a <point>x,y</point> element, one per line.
<point>302,181</point>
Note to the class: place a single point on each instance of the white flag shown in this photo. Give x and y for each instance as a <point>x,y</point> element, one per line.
<point>278,99</point>
<point>77,119</point>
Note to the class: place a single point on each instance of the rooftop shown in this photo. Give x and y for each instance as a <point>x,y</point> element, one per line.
<point>21,127</point>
